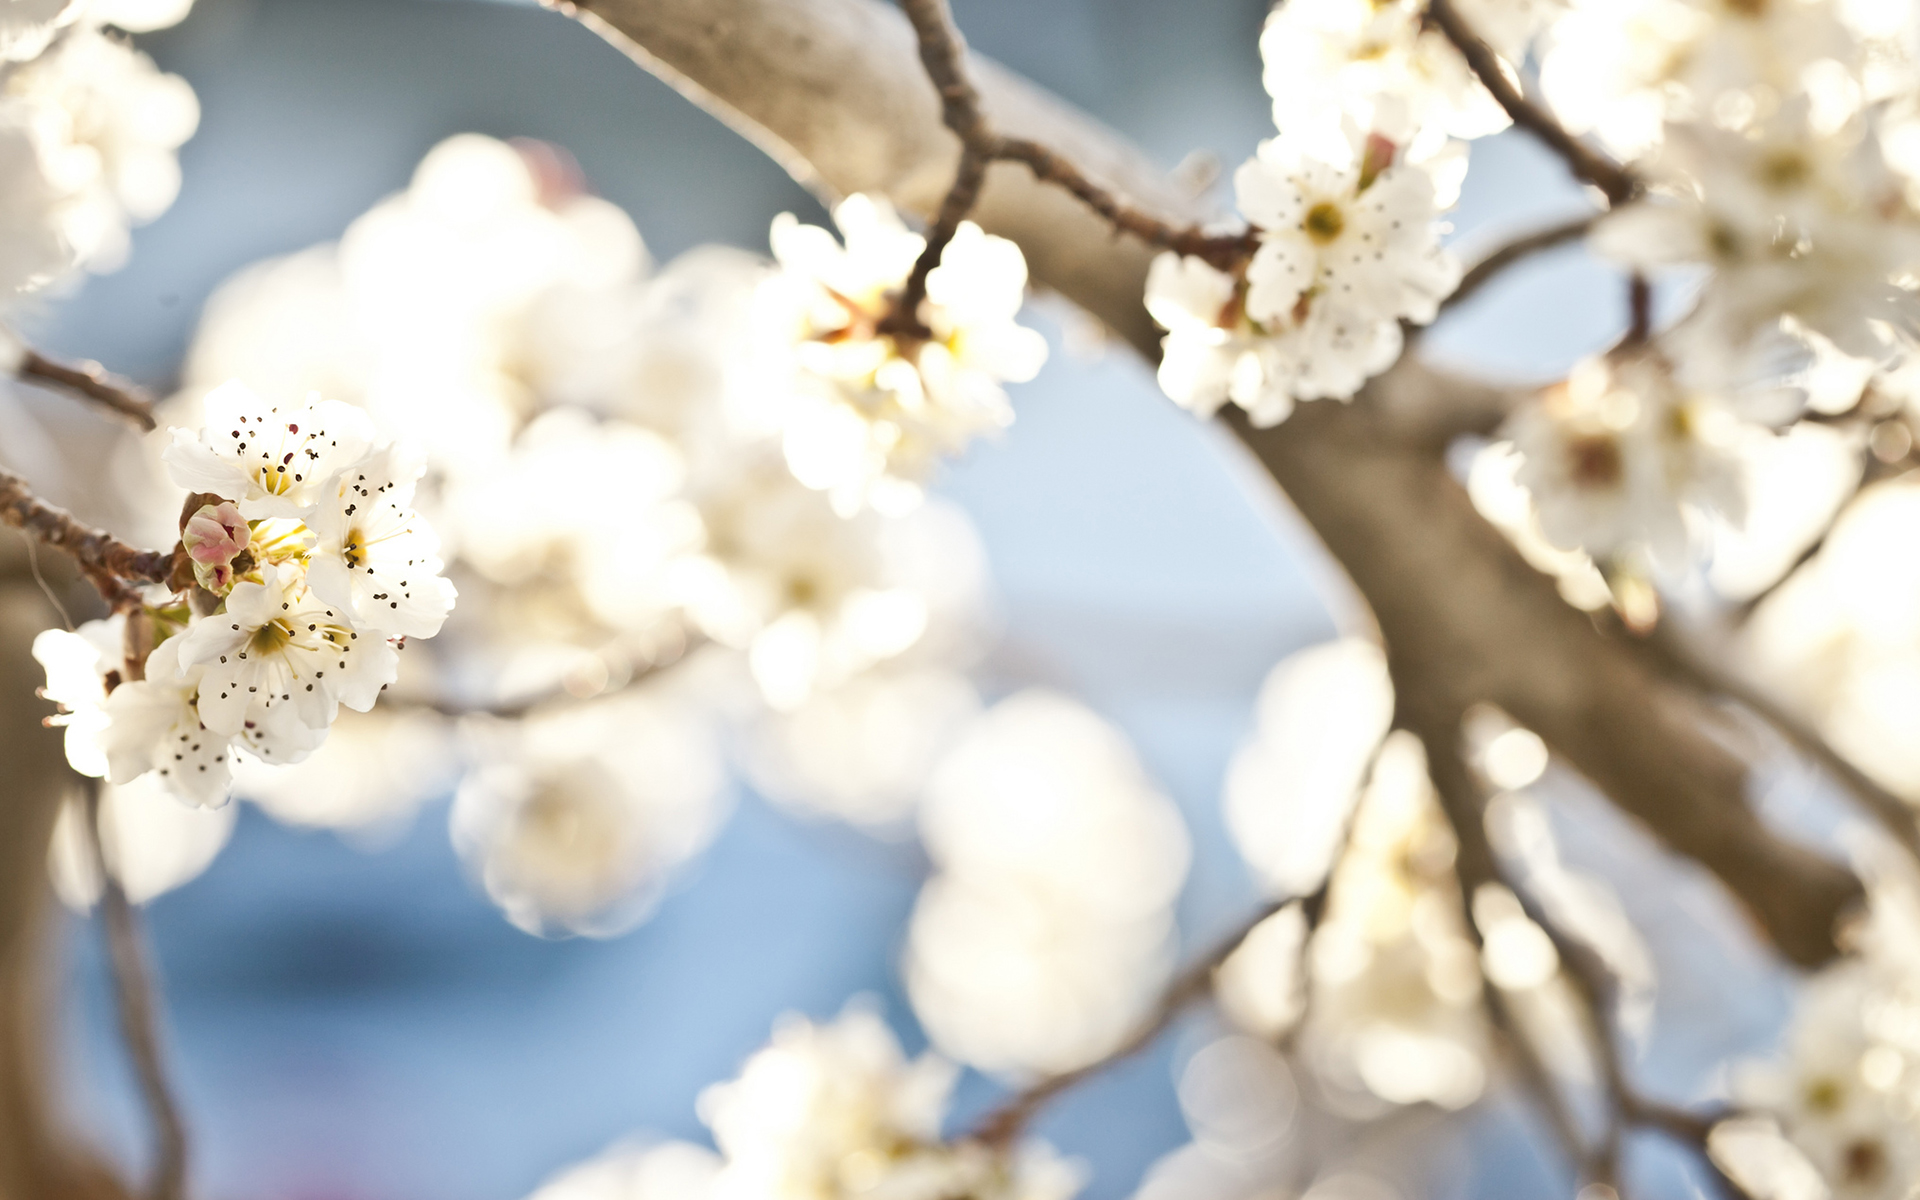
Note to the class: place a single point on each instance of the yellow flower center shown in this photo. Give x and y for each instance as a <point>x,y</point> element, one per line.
<point>1324,222</point>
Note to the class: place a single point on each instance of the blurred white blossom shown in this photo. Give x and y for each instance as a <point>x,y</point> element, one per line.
<point>1047,930</point>
<point>864,411</point>
<point>575,820</point>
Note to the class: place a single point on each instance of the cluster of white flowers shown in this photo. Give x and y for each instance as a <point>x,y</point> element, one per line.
<point>599,456</point>
<point>1623,458</point>
<point>1838,1111</point>
<point>827,1112</point>
<point>1389,984</point>
<point>1047,930</point>
<point>1345,206</point>
<point>310,569</point>
<point>1775,143</point>
<point>864,409</point>
<point>88,132</point>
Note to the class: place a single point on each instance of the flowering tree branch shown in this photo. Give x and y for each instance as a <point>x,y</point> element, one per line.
<point>943,53</point>
<point>90,381</point>
<point>139,1018</point>
<point>1590,166</point>
<point>834,89</point>
<point>98,553</point>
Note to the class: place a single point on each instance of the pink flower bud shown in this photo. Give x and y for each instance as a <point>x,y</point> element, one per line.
<point>214,537</point>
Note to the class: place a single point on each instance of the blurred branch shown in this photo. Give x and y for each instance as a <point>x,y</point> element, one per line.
<point>1004,1123</point>
<point>139,1019</point>
<point>1686,661</point>
<point>1487,268</point>
<point>1463,799</point>
<point>90,381</point>
<point>834,90</point>
<point>96,551</point>
<point>638,674</point>
<point>1588,165</point>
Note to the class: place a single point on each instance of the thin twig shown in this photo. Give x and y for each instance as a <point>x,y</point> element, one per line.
<point>95,550</point>
<point>1003,1123</point>
<point>639,673</point>
<point>1486,269</point>
<point>1613,180</point>
<point>1894,814</point>
<point>1639,310</point>
<point>1223,250</point>
<point>943,53</point>
<point>139,1018</point>
<point>90,381</point>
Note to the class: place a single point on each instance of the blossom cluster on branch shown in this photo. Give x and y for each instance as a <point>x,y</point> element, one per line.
<point>309,569</point>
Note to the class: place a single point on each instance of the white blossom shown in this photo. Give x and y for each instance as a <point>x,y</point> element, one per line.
<point>271,460</point>
<point>574,822</point>
<point>114,124</point>
<point>836,1110</point>
<point>1347,248</point>
<point>1046,931</point>
<point>376,557</point>
<point>1621,458</point>
<point>1350,233</point>
<point>1793,225</point>
<point>27,26</point>
<point>152,843</point>
<point>155,724</point>
<point>1377,64</point>
<point>279,644</point>
<point>34,247</point>
<point>78,664</point>
<point>864,413</point>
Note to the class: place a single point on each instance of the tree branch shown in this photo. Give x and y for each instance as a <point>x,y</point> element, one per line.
<point>1895,815</point>
<point>90,381</point>
<point>1463,799</point>
<point>96,550</point>
<point>834,89</point>
<point>1588,165</point>
<point>139,1019</point>
<point>1488,268</point>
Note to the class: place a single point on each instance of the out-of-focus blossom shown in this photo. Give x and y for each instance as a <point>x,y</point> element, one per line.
<point>1842,1097</point>
<point>1840,639</point>
<point>1047,930</point>
<point>34,247</point>
<point>1290,789</point>
<point>837,1110</point>
<point>1623,459</point>
<point>27,26</point>
<point>861,751</point>
<point>814,598</point>
<point>576,820</point>
<point>152,843</point>
<point>113,123</point>
<point>865,412</point>
<point>1395,1000</point>
<point>1384,68</point>
<point>374,769</point>
<point>79,664</point>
